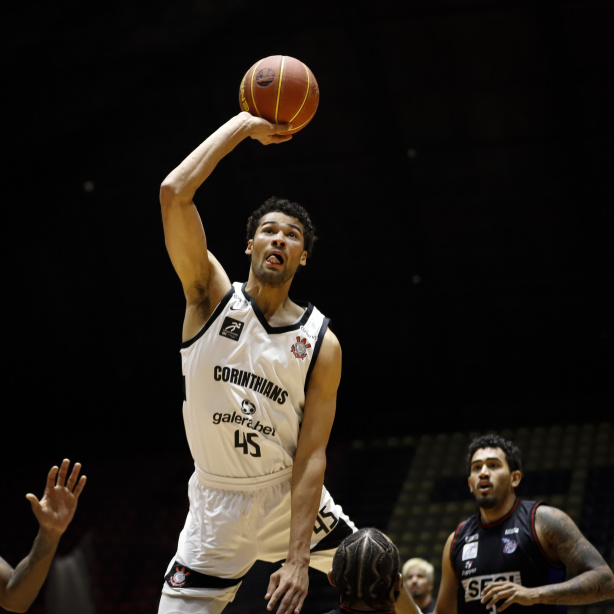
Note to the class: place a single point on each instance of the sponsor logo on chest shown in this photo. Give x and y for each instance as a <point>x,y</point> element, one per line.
<point>470,550</point>
<point>231,328</point>
<point>473,587</point>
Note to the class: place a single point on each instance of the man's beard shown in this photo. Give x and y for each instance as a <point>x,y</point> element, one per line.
<point>487,502</point>
<point>271,278</point>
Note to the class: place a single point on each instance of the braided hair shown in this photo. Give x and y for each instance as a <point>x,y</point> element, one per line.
<point>365,568</point>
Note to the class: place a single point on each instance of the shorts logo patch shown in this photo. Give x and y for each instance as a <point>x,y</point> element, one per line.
<point>180,577</point>
<point>299,349</point>
<point>231,328</point>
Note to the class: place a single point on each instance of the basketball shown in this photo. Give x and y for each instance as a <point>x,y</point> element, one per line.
<point>280,89</point>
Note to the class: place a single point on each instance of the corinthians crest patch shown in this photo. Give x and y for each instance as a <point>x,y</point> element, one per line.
<point>299,349</point>
<point>179,577</point>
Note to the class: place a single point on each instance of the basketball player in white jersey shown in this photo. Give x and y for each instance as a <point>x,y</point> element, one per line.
<point>261,376</point>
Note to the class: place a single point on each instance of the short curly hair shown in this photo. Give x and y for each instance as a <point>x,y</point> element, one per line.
<point>492,440</point>
<point>290,208</point>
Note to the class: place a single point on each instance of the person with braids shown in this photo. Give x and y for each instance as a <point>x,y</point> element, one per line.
<point>515,553</point>
<point>261,374</point>
<point>366,574</point>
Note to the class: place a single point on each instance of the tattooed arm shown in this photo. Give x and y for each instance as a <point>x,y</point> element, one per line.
<point>564,544</point>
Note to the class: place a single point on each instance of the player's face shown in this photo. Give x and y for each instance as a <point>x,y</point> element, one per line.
<point>417,582</point>
<point>490,478</point>
<point>277,248</point>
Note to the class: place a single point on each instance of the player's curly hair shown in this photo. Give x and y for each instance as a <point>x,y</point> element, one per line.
<point>290,208</point>
<point>365,568</point>
<point>492,440</point>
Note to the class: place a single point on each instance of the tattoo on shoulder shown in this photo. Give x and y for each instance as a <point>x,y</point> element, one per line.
<point>556,525</point>
<point>564,540</point>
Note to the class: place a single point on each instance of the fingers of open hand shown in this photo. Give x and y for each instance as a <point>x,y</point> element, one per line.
<point>288,589</point>
<point>33,499</point>
<point>57,477</point>
<point>74,476</point>
<point>271,139</point>
<point>274,592</point>
<point>290,604</point>
<point>52,476</point>
<point>63,472</point>
<point>79,486</point>
<point>502,594</point>
<point>292,600</point>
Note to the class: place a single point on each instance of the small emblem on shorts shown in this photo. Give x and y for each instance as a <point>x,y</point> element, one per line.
<point>247,407</point>
<point>509,545</point>
<point>299,349</point>
<point>231,328</point>
<point>179,577</point>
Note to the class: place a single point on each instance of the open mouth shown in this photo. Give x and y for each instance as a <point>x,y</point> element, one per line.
<point>484,486</point>
<point>275,258</point>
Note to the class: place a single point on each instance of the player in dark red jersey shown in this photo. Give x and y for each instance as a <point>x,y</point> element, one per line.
<point>516,553</point>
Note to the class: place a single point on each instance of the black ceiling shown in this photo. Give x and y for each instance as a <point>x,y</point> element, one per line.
<point>459,170</point>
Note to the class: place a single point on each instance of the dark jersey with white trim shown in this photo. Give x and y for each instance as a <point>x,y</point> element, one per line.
<point>507,550</point>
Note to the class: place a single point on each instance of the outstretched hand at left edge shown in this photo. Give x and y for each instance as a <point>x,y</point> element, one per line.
<point>289,583</point>
<point>57,507</point>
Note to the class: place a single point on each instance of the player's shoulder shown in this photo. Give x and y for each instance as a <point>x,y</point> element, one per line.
<point>552,520</point>
<point>328,365</point>
<point>543,511</point>
<point>331,344</point>
<point>330,337</point>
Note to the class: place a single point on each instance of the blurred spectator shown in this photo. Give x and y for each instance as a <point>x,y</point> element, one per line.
<point>419,578</point>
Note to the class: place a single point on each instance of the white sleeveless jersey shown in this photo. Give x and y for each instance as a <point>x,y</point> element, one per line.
<point>245,384</point>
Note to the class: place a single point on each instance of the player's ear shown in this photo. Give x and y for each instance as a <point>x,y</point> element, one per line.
<point>330,577</point>
<point>250,245</point>
<point>303,260</point>
<point>516,477</point>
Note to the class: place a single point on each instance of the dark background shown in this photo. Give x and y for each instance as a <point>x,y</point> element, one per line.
<point>459,171</point>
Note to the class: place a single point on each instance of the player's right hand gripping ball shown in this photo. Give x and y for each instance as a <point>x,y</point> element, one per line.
<point>280,89</point>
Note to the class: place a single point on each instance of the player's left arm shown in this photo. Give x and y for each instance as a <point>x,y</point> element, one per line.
<point>565,544</point>
<point>290,583</point>
<point>20,586</point>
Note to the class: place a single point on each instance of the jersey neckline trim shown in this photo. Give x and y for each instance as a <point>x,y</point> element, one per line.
<point>500,520</point>
<point>275,329</point>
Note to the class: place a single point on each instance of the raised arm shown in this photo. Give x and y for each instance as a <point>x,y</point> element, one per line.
<point>291,582</point>
<point>19,587</point>
<point>202,277</point>
<point>446,597</point>
<point>563,542</point>
<point>405,603</point>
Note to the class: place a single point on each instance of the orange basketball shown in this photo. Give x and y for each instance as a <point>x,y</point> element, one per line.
<point>280,89</point>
